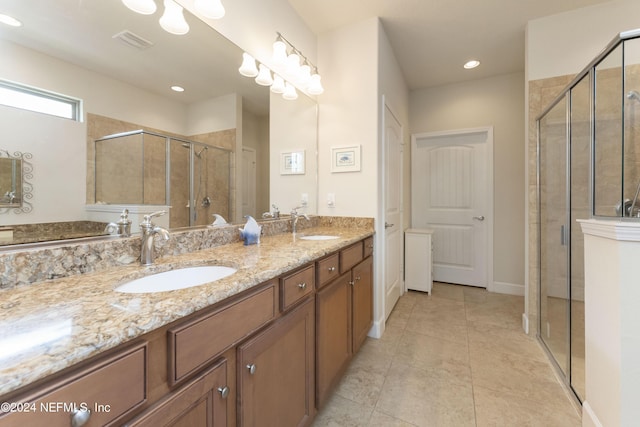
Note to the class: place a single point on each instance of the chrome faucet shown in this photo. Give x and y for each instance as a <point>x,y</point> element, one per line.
<point>295,216</point>
<point>275,214</point>
<point>149,230</point>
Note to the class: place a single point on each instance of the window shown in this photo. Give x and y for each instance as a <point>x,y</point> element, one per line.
<point>38,100</point>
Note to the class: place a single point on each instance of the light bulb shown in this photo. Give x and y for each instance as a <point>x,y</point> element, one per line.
<point>304,75</point>
<point>290,92</point>
<point>293,65</point>
<point>9,20</point>
<point>248,67</point>
<point>172,20</point>
<point>315,85</point>
<point>279,56</point>
<point>210,8</point>
<point>264,76</point>
<point>144,7</point>
<point>278,84</point>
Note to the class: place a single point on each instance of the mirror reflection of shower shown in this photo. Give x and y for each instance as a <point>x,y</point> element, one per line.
<point>631,208</point>
<point>201,164</point>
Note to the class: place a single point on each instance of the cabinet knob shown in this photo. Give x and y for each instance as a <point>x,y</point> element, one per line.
<point>80,417</point>
<point>251,368</point>
<point>357,278</point>
<point>332,269</point>
<point>352,283</point>
<point>302,285</point>
<point>224,391</point>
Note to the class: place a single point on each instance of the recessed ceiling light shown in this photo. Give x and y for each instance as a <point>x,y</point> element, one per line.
<point>471,64</point>
<point>177,88</point>
<point>10,20</point>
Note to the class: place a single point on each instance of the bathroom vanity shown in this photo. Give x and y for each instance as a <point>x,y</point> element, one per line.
<point>262,347</point>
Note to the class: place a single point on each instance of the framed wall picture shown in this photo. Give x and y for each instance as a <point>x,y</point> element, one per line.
<point>292,162</point>
<point>345,159</point>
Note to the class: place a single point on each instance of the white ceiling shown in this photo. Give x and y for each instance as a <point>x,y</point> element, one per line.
<point>432,39</point>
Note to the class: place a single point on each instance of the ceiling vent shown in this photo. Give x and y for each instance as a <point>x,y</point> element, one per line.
<point>133,40</point>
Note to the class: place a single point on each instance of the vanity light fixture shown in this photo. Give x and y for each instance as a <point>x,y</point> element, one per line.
<point>471,64</point>
<point>9,20</point>
<point>210,8</point>
<point>144,7</point>
<point>291,69</point>
<point>172,19</point>
<point>248,67</point>
<point>177,88</point>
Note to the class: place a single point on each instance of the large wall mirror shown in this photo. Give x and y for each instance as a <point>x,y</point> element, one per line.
<point>122,65</point>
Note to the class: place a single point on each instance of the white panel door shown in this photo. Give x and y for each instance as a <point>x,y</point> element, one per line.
<point>449,195</point>
<point>392,210</point>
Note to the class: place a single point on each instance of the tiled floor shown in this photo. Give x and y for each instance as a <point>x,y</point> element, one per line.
<point>456,358</point>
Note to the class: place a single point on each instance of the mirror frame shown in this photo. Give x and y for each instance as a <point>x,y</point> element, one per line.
<point>26,191</point>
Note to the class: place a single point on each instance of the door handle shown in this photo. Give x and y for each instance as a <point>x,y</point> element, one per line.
<point>479,218</point>
<point>387,225</point>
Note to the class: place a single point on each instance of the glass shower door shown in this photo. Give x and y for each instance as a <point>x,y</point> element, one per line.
<point>554,234</point>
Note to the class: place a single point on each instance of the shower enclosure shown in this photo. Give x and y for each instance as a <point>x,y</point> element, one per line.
<point>588,166</point>
<point>147,168</point>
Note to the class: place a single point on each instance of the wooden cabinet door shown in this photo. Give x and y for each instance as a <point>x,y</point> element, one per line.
<point>362,295</point>
<point>276,373</point>
<point>200,403</point>
<point>333,329</point>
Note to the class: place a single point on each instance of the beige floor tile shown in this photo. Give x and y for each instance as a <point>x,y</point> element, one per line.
<point>435,326</point>
<point>499,409</point>
<point>425,398</point>
<point>520,376</point>
<point>444,290</point>
<point>447,359</point>
<point>341,412</point>
<point>454,358</point>
<point>446,310</point>
<point>378,419</point>
<point>507,316</point>
<point>364,378</point>
<point>488,338</point>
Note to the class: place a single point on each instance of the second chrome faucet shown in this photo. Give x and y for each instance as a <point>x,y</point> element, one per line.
<point>149,230</point>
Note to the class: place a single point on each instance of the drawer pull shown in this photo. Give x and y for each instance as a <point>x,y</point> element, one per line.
<point>224,391</point>
<point>251,368</point>
<point>332,269</point>
<point>357,278</point>
<point>80,417</point>
<point>352,283</point>
<point>302,285</point>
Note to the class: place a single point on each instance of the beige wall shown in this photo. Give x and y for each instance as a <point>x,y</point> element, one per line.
<point>497,102</point>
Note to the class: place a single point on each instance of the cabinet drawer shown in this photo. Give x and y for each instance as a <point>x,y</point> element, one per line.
<point>297,286</point>
<point>199,341</point>
<point>201,402</point>
<point>350,257</point>
<point>110,388</point>
<point>328,269</point>
<point>368,246</point>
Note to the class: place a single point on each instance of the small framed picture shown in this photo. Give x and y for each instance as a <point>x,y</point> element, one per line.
<point>345,159</point>
<point>292,163</point>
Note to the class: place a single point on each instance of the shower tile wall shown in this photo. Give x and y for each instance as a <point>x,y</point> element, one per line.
<point>125,183</point>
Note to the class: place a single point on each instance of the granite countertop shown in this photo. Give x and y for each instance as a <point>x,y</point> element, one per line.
<point>48,326</point>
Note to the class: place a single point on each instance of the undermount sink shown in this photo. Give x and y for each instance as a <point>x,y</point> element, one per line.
<point>319,237</point>
<point>182,278</point>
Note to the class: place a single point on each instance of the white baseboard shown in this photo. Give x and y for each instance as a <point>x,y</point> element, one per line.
<point>589,418</point>
<point>508,288</point>
<point>377,329</point>
<point>525,323</point>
